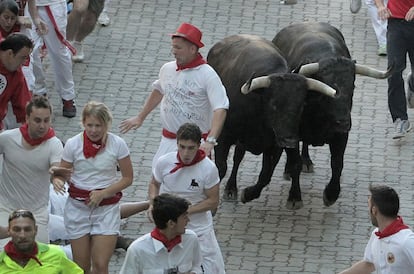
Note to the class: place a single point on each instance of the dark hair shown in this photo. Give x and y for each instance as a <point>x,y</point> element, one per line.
<point>385,199</point>
<point>10,5</point>
<point>16,41</point>
<point>189,131</point>
<point>38,101</point>
<point>168,207</point>
<point>21,213</point>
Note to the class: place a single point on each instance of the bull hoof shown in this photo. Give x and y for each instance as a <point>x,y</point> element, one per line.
<point>328,201</point>
<point>286,176</point>
<point>294,205</point>
<point>230,194</point>
<point>307,168</point>
<point>248,195</point>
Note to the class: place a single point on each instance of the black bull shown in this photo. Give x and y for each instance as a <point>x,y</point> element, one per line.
<point>264,121</point>
<point>323,120</point>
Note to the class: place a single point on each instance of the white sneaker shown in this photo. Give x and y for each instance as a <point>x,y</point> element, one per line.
<point>79,56</point>
<point>401,128</point>
<point>104,19</point>
<point>355,6</point>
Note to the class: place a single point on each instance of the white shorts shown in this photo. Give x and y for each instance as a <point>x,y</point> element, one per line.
<point>81,220</point>
<point>210,250</point>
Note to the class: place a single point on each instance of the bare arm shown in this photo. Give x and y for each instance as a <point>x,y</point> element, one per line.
<point>219,116</point>
<point>135,122</point>
<point>127,175</point>
<point>58,180</point>
<point>210,203</point>
<point>40,25</point>
<point>383,12</point>
<point>361,267</point>
<point>153,189</point>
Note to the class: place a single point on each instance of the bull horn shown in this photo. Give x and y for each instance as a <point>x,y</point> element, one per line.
<point>320,87</point>
<point>371,72</point>
<point>256,83</point>
<point>309,69</point>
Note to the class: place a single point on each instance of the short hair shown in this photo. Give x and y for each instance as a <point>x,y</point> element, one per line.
<point>38,101</point>
<point>168,207</point>
<point>21,213</point>
<point>385,199</point>
<point>189,131</point>
<point>10,5</point>
<point>16,41</point>
<point>98,110</point>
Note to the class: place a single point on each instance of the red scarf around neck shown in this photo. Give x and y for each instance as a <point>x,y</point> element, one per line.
<point>393,228</point>
<point>24,129</point>
<point>195,63</point>
<point>197,158</point>
<point>13,253</point>
<point>90,149</point>
<point>169,244</point>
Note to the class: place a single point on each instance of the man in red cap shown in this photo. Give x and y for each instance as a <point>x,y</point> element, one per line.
<point>189,90</point>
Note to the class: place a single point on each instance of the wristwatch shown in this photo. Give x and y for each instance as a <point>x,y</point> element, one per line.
<point>212,140</point>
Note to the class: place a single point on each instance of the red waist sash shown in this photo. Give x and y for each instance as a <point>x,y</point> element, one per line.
<point>83,195</point>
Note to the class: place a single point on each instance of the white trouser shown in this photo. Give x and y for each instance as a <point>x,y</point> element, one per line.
<point>59,54</point>
<point>380,26</point>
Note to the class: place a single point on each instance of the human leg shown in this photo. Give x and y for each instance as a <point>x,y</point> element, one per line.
<point>102,248</point>
<point>210,250</point>
<point>81,252</point>
<point>103,18</point>
<point>79,9</point>
<point>88,21</point>
<point>380,27</point>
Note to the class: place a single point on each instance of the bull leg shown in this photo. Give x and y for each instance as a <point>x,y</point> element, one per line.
<point>230,191</point>
<point>337,148</point>
<point>295,197</point>
<point>269,162</point>
<point>307,165</point>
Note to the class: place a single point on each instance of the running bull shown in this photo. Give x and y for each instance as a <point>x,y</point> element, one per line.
<point>266,119</point>
<point>318,50</point>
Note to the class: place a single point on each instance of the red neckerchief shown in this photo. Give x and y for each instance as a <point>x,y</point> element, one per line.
<point>197,158</point>
<point>90,149</point>
<point>169,244</point>
<point>195,63</point>
<point>393,228</point>
<point>24,129</point>
<point>13,253</point>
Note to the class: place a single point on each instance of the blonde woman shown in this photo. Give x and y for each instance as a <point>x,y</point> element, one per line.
<point>92,214</point>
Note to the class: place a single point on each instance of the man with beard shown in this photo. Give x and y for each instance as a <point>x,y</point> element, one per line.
<point>391,246</point>
<point>24,255</point>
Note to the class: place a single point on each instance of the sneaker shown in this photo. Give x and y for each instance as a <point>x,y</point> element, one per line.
<point>69,108</point>
<point>104,19</point>
<point>123,242</point>
<point>410,92</point>
<point>401,128</point>
<point>289,2</point>
<point>79,56</point>
<point>355,6</point>
<point>382,50</point>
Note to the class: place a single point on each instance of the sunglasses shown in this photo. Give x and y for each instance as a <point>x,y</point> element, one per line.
<point>21,213</point>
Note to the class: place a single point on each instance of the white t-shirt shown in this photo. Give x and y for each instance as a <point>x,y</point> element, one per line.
<point>25,177</point>
<point>95,172</point>
<point>147,255</point>
<point>189,183</point>
<point>392,254</point>
<point>40,3</point>
<point>189,96</point>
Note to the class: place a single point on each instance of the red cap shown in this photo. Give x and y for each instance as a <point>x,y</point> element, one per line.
<point>190,33</point>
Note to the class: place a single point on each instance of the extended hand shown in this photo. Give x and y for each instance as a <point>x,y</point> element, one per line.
<point>134,123</point>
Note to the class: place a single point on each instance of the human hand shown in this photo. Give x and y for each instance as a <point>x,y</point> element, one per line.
<point>24,21</point>
<point>133,122</point>
<point>59,185</point>
<point>410,14</point>
<point>384,13</point>
<point>41,27</point>
<point>207,148</point>
<point>63,172</point>
<point>95,198</point>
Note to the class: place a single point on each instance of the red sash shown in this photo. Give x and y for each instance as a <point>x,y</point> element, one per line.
<point>169,244</point>
<point>13,253</point>
<point>171,135</point>
<point>83,195</point>
<point>195,63</point>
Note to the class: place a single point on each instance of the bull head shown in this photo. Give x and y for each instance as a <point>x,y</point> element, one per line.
<point>265,82</point>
